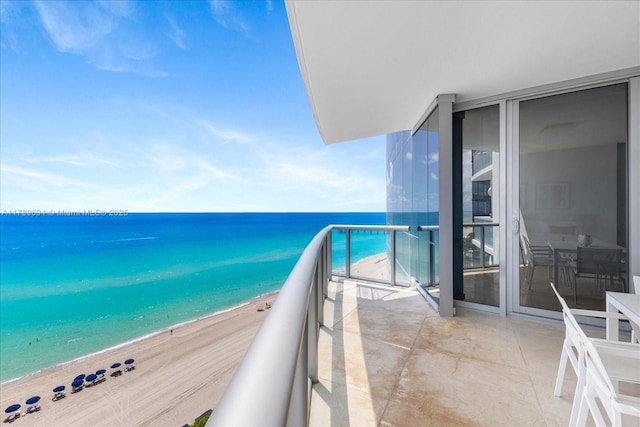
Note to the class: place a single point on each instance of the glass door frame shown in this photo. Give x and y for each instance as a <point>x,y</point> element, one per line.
<point>512,188</point>
<point>502,308</point>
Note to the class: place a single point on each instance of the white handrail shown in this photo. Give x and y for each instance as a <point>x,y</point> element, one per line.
<point>271,385</point>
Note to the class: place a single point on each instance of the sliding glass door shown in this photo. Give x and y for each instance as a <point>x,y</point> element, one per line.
<point>478,132</point>
<point>572,197</point>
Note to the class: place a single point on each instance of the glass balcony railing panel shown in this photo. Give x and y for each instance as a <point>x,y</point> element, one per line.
<point>339,252</point>
<point>369,256</point>
<point>429,262</point>
<point>428,255</point>
<point>405,244</point>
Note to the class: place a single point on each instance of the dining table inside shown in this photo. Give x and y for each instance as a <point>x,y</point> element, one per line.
<point>560,248</point>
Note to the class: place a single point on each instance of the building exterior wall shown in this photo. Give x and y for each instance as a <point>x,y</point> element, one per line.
<point>413,199</point>
<point>414,193</point>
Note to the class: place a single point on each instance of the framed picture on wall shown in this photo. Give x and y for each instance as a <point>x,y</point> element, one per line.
<point>552,196</point>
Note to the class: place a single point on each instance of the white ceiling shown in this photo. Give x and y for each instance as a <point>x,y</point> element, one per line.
<point>373,67</point>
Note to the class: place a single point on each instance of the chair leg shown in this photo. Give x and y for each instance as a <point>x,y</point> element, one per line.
<point>580,408</point>
<point>561,370</point>
<point>594,409</point>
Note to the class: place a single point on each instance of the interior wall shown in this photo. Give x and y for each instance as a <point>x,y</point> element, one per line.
<point>590,175</point>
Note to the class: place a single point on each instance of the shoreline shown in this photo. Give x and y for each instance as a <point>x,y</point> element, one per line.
<point>138,339</point>
<point>181,371</point>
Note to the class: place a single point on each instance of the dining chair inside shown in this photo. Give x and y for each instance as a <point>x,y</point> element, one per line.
<point>535,256</point>
<point>603,264</point>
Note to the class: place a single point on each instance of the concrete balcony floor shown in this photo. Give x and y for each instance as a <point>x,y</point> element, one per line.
<point>387,359</point>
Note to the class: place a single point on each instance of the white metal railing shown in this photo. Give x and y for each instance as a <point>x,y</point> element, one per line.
<point>272,384</point>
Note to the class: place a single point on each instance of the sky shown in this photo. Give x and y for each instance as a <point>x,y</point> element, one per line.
<point>167,106</point>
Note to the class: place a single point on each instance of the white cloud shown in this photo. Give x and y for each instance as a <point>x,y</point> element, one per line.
<point>318,179</point>
<point>77,26</point>
<point>165,158</point>
<point>191,164</point>
<point>70,159</point>
<point>227,16</point>
<point>226,135</point>
<point>431,158</point>
<point>9,19</point>
<point>100,32</point>
<point>176,34</point>
<point>123,9</point>
<point>28,177</point>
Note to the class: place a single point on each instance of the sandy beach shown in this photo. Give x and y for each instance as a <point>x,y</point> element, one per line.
<point>178,375</point>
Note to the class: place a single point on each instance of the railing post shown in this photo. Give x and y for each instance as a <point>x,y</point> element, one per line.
<point>392,263</point>
<point>348,253</point>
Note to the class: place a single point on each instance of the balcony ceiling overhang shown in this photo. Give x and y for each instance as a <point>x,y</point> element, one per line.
<point>373,67</point>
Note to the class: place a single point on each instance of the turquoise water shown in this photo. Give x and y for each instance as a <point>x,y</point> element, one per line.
<point>71,286</point>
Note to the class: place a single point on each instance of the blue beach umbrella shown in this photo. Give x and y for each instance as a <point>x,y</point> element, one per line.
<point>91,377</point>
<point>13,408</point>
<point>101,371</point>
<point>58,389</point>
<point>80,377</point>
<point>32,400</point>
<point>77,382</point>
<point>129,361</point>
<point>116,365</point>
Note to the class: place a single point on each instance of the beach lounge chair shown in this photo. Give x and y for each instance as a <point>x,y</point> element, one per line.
<point>11,418</point>
<point>59,393</point>
<point>33,404</point>
<point>15,414</point>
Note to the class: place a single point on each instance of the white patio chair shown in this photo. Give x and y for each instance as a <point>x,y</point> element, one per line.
<point>571,344</point>
<point>599,393</point>
<point>573,350</point>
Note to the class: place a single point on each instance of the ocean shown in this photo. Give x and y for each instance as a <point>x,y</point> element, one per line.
<point>78,284</point>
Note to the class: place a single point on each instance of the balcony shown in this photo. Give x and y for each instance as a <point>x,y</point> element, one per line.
<point>386,358</point>
<point>343,350</point>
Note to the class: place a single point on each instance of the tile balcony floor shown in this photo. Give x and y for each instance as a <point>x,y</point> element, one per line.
<point>387,359</point>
